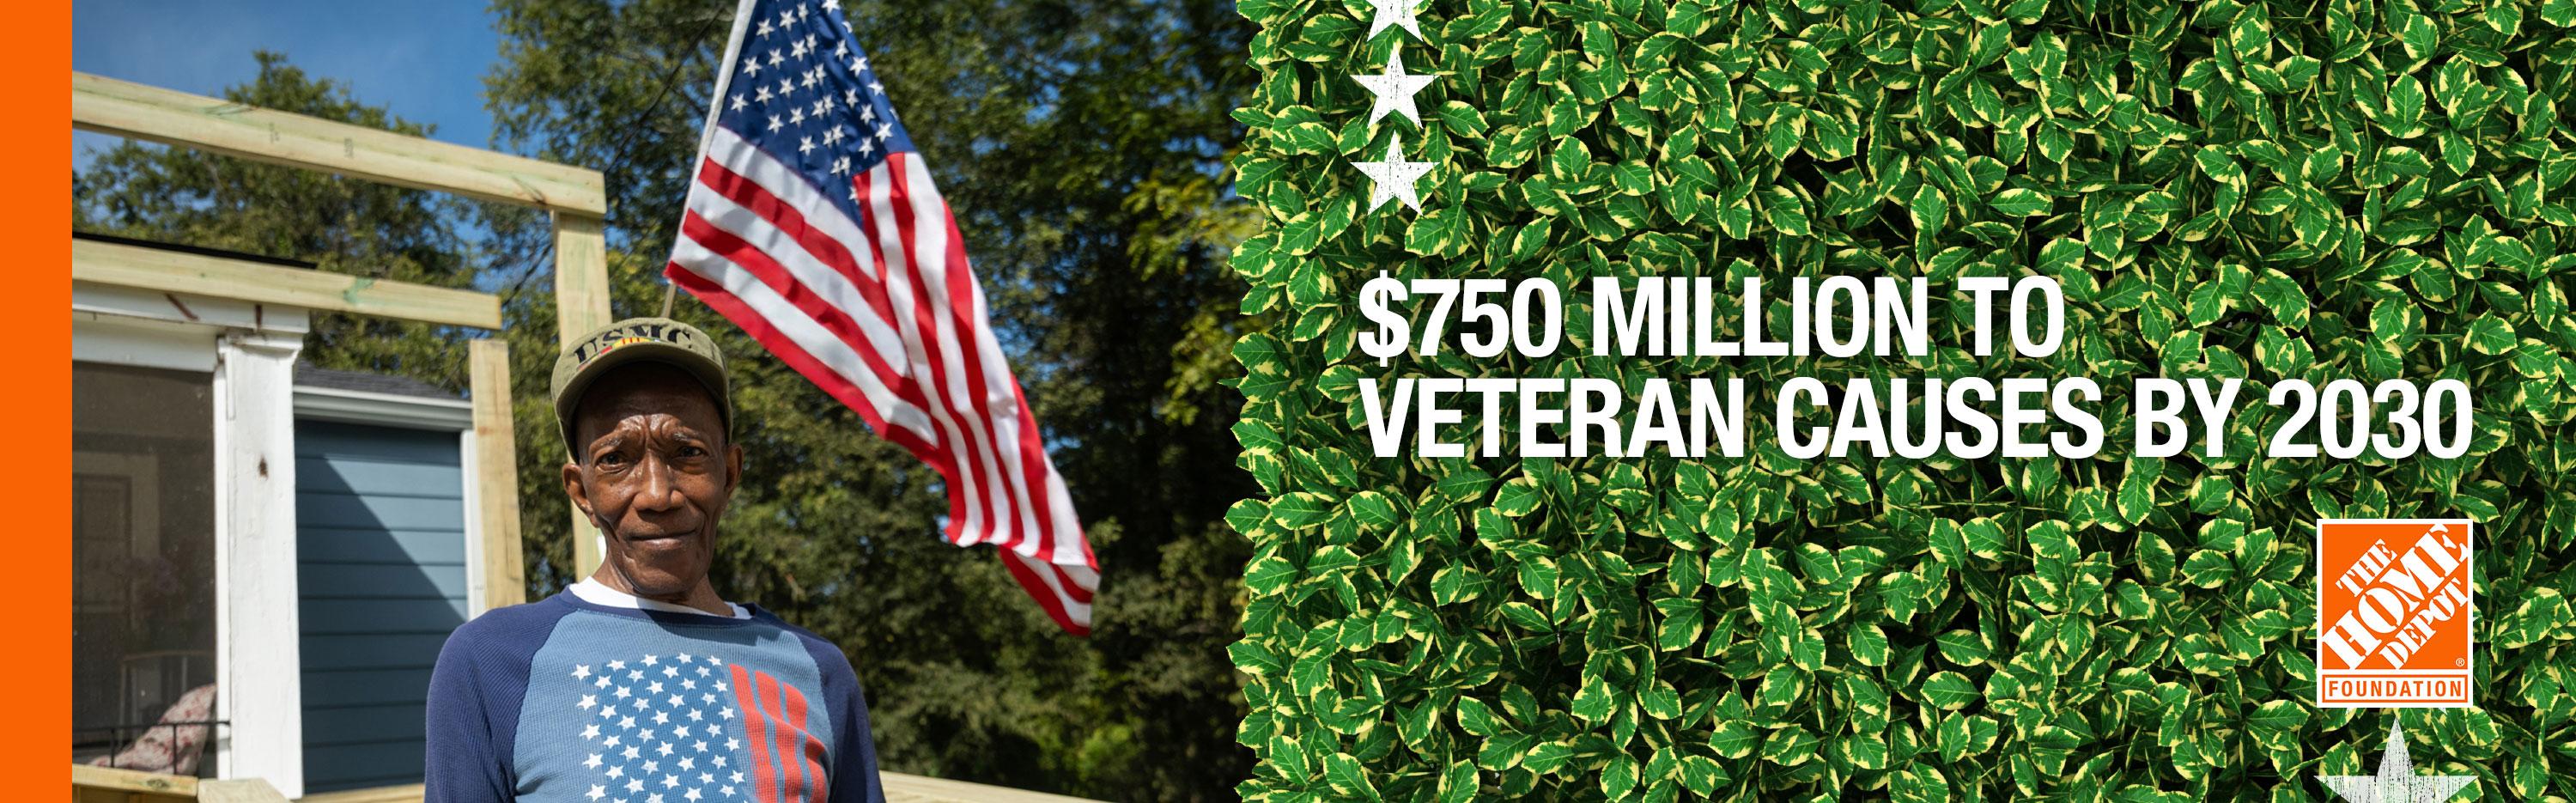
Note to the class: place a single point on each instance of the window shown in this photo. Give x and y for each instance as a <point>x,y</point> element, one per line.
<point>143,567</point>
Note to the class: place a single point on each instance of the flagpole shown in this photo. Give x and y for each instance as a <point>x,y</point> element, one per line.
<point>715,108</point>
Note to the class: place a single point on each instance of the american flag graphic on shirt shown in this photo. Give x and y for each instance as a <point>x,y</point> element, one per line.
<point>684,728</point>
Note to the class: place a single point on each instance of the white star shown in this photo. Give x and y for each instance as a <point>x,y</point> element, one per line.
<point>589,700</point>
<point>634,784</point>
<point>656,688</point>
<point>714,660</point>
<point>670,781</point>
<point>662,749</point>
<point>867,146</point>
<point>868,114</point>
<point>720,685</point>
<point>2396,781</point>
<point>617,772</point>
<point>617,664</point>
<point>681,732</point>
<point>774,60</point>
<point>581,672</point>
<point>841,50</point>
<point>822,105</point>
<point>805,144</point>
<point>762,95</point>
<point>885,131</point>
<point>738,105</point>
<point>688,763</point>
<point>1392,14</point>
<point>849,97</point>
<point>728,790</point>
<point>796,48</point>
<point>601,683</point>
<point>645,735</point>
<point>1394,177</point>
<point>861,65</point>
<point>828,5</point>
<point>593,763</point>
<point>597,791</point>
<point>734,744</point>
<point>591,732</point>
<point>834,134</point>
<point>706,777</point>
<point>786,17</point>
<point>810,46</point>
<point>701,745</point>
<point>785,87</point>
<point>876,87</point>
<point>676,701</point>
<point>710,697</point>
<point>632,752</point>
<point>652,767</point>
<point>694,714</point>
<point>626,722</point>
<point>623,692</point>
<point>727,713</point>
<point>813,77</point>
<point>765,29</point>
<point>661,717</point>
<point>684,658</point>
<point>1394,89</point>
<point>611,742</point>
<point>737,778</point>
<point>657,798</point>
<point>692,795</point>
<point>670,671</point>
<point>720,760</point>
<point>795,116</point>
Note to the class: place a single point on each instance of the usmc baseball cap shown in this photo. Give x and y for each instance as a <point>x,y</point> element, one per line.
<point>630,341</point>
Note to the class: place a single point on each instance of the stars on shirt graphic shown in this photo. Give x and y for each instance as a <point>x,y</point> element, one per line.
<point>661,729</point>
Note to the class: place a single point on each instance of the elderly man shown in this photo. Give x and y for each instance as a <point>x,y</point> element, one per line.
<point>641,683</point>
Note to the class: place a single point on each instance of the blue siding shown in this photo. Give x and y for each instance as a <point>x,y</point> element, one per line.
<point>380,563</point>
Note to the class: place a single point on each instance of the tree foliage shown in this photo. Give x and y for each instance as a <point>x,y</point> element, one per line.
<point>2225,189</point>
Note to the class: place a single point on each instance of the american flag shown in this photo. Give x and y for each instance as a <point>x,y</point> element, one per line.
<point>814,225</point>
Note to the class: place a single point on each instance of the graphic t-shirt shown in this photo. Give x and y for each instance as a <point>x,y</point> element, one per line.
<point>566,699</point>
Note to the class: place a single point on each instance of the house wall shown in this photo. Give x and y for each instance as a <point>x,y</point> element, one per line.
<point>382,568</point>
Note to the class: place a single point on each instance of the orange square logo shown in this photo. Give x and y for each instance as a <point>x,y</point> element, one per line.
<point>2394,609</point>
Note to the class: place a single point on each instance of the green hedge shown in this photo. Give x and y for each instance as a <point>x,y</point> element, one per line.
<point>2321,190</point>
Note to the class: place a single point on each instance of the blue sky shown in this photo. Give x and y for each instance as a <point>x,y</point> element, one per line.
<point>423,60</point>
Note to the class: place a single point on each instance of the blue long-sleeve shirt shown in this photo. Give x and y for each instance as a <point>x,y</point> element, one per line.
<point>564,699</point>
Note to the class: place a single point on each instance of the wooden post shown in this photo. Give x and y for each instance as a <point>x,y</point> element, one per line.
<point>496,475</point>
<point>581,305</point>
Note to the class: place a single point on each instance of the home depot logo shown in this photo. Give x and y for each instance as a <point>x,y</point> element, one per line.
<point>2394,610</point>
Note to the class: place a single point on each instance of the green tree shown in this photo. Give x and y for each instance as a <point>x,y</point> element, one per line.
<point>1082,147</point>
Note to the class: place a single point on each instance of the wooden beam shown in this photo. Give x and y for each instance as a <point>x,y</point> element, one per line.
<point>901,788</point>
<point>121,783</point>
<point>581,305</point>
<point>407,793</point>
<point>138,111</point>
<point>170,271</point>
<point>496,474</point>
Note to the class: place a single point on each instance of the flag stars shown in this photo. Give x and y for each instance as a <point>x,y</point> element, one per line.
<point>765,29</point>
<point>616,772</point>
<point>601,683</point>
<point>611,742</point>
<point>656,688</point>
<point>876,87</point>
<point>775,59</point>
<point>670,782</point>
<point>662,749</point>
<point>626,722</point>
<point>632,752</point>
<point>597,791</point>
<point>593,763</point>
<point>581,672</point>
<point>670,671</point>
<point>685,763</point>
<point>720,760</point>
<point>692,795</point>
<point>587,701</point>
<point>591,732</point>
<point>751,66</point>
<point>786,87</point>
<point>796,49</point>
<point>634,784</point>
<point>885,131</point>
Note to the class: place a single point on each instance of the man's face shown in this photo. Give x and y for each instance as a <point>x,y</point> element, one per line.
<point>653,471</point>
